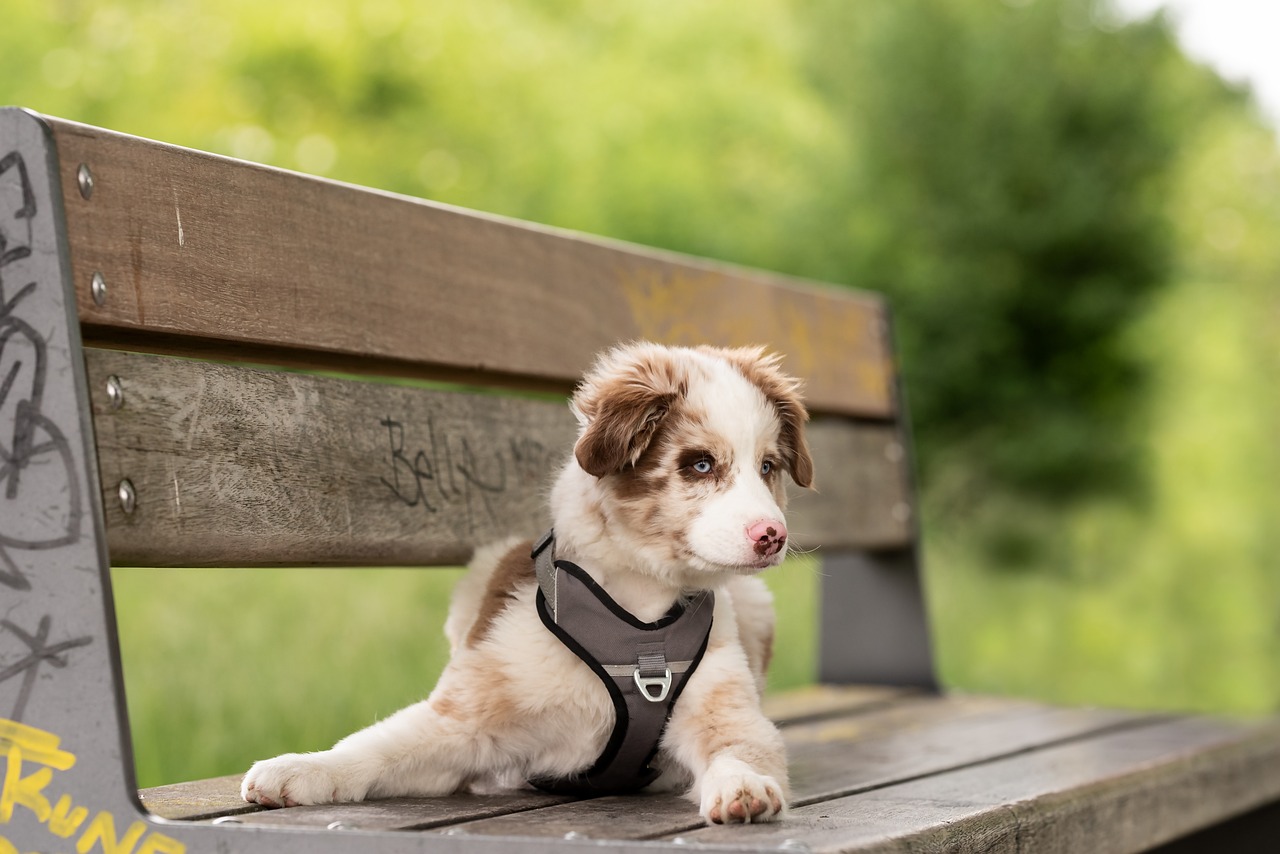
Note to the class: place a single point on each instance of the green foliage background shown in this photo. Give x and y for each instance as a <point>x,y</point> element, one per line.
<point>1075,225</point>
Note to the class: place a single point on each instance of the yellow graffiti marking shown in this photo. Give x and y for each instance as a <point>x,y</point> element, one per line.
<point>23,791</point>
<point>103,829</point>
<point>21,743</point>
<point>64,820</point>
<point>158,843</point>
<point>36,745</point>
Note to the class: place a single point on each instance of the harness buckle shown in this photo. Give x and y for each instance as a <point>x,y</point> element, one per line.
<point>662,683</point>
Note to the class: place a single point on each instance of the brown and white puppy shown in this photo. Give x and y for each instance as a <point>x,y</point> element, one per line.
<point>675,485</point>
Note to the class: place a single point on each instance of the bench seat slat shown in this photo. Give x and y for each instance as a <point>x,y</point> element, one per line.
<point>198,799</point>
<point>233,466</point>
<point>274,262</point>
<point>879,744</point>
<point>1121,791</point>
<point>220,796</point>
<point>408,813</point>
<point>831,758</point>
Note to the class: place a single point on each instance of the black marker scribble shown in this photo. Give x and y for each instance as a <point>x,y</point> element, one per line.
<point>446,471</point>
<point>38,653</point>
<point>35,439</point>
<point>529,458</point>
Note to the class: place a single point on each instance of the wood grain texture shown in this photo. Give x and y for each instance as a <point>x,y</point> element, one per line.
<point>872,497</point>
<point>198,799</point>
<point>815,702</point>
<point>407,813</point>
<point>241,467</point>
<point>220,796</point>
<point>915,737</point>
<point>207,255</point>
<point>1121,791</point>
<point>923,773</point>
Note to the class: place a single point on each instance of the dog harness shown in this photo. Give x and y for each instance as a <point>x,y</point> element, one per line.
<point>644,667</point>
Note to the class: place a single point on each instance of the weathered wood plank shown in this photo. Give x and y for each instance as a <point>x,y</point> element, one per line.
<point>407,813</point>
<point>1122,791</point>
<point>239,467</point>
<point>212,256</point>
<point>872,497</point>
<point>832,758</point>
<point>198,799</point>
<point>636,817</point>
<point>814,702</point>
<point>220,796</point>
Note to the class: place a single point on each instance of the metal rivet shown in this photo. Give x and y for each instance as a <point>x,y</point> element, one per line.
<point>85,179</point>
<point>227,819</point>
<point>99,289</point>
<point>128,496</point>
<point>115,392</point>
<point>901,512</point>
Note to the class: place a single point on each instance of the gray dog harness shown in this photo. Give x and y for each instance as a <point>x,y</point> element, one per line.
<point>644,666</point>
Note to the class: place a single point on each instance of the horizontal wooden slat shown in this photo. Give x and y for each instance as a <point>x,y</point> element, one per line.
<point>408,813</point>
<point>204,254</point>
<point>197,799</point>
<point>1122,791</point>
<point>858,751</point>
<point>239,467</point>
<point>924,773</point>
<point>220,796</point>
<point>815,702</point>
<point>914,737</point>
<point>862,496</point>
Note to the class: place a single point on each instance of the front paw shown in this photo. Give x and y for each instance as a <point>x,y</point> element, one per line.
<point>295,779</point>
<point>734,795</point>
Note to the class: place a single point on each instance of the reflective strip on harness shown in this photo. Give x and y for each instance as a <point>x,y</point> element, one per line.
<point>644,667</point>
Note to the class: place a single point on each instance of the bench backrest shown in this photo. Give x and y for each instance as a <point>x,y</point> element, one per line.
<point>206,257</point>
<point>208,362</point>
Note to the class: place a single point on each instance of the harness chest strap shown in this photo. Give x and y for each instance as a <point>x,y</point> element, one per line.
<point>644,666</point>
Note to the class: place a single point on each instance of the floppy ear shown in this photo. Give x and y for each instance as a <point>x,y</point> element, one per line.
<point>620,404</point>
<point>783,391</point>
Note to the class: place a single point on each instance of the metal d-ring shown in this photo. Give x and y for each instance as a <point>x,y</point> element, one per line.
<point>662,683</point>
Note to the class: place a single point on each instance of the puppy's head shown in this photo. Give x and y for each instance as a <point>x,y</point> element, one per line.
<point>689,448</point>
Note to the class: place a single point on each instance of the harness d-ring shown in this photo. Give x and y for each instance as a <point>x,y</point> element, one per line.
<point>662,683</point>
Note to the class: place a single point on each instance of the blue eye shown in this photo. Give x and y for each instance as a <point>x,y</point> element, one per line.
<point>702,466</point>
<point>766,467</point>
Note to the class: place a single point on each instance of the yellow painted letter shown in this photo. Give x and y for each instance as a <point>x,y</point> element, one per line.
<point>103,829</point>
<point>158,843</point>
<point>23,790</point>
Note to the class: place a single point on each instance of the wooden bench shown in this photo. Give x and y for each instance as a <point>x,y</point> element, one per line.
<point>137,280</point>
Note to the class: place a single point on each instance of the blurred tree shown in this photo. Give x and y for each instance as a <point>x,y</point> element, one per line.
<point>1008,188</point>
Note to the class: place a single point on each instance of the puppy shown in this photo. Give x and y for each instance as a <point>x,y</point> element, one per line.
<point>675,488</point>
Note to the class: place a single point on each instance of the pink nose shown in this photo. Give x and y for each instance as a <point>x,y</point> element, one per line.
<point>768,536</point>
